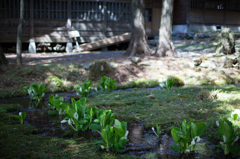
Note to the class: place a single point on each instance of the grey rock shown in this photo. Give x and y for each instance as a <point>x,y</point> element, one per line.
<point>113,65</point>
<point>228,61</point>
<point>127,62</point>
<point>197,61</point>
<point>209,64</point>
<point>145,64</point>
<point>86,65</point>
<point>136,59</point>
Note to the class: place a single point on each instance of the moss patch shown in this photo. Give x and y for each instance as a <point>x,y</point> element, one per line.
<point>10,107</point>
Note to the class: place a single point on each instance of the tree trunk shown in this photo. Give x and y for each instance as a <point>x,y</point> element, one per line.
<point>138,43</point>
<point>3,59</point>
<point>165,46</point>
<point>19,35</point>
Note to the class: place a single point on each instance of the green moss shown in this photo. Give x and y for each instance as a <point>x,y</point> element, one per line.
<point>177,81</point>
<point>10,107</point>
<point>55,84</point>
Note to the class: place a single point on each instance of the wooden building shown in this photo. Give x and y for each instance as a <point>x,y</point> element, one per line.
<point>52,20</point>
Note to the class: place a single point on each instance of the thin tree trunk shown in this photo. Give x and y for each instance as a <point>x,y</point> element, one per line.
<point>165,46</point>
<point>19,35</point>
<point>138,43</point>
<point>3,59</point>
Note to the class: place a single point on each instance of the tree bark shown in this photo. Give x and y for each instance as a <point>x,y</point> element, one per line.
<point>19,35</point>
<point>138,43</point>
<point>165,46</point>
<point>3,59</point>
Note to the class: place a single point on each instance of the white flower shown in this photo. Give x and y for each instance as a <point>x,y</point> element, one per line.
<point>198,138</point>
<point>75,115</point>
<point>235,140</point>
<point>96,89</point>
<point>106,87</point>
<point>154,131</point>
<point>187,150</point>
<point>102,146</point>
<point>222,143</point>
<point>193,143</point>
<point>224,138</point>
<point>217,123</point>
<point>126,134</point>
<point>161,84</point>
<point>80,89</point>
<point>20,113</point>
<point>64,121</point>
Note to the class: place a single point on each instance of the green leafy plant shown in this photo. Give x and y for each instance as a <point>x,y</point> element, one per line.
<point>114,136</point>
<point>107,83</point>
<point>35,91</point>
<point>159,132</point>
<point>229,136</point>
<point>84,90</point>
<point>104,117</point>
<point>187,137</point>
<point>21,116</point>
<point>169,83</point>
<point>55,102</point>
<point>78,114</point>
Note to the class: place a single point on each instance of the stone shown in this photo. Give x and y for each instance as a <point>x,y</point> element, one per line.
<point>227,42</point>
<point>145,64</point>
<point>69,47</point>
<point>228,61</point>
<point>209,64</point>
<point>113,65</point>
<point>201,36</point>
<point>98,69</point>
<point>197,61</point>
<point>86,65</point>
<point>136,59</point>
<point>127,62</point>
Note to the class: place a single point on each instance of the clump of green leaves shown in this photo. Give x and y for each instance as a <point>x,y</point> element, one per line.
<point>79,115</point>
<point>107,83</point>
<point>114,136</point>
<point>159,132</point>
<point>21,116</point>
<point>104,117</point>
<point>85,89</point>
<point>169,83</point>
<point>55,102</point>
<point>229,136</point>
<point>187,137</point>
<point>35,91</point>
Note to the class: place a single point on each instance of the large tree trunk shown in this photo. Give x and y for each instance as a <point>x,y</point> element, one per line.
<point>19,35</point>
<point>3,59</point>
<point>138,43</point>
<point>165,46</point>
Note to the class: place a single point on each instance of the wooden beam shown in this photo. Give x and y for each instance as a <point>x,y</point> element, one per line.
<point>106,42</point>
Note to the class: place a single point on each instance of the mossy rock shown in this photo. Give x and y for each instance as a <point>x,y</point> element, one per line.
<point>98,69</point>
<point>177,81</point>
<point>55,84</point>
<point>10,107</point>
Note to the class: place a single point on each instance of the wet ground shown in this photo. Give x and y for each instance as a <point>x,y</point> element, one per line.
<point>142,143</point>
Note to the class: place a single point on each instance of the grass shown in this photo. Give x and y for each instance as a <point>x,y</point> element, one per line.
<point>150,107</point>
